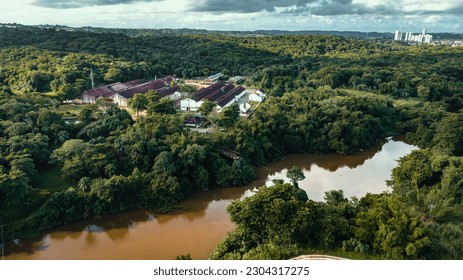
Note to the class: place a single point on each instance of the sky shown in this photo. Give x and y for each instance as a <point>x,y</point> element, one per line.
<point>244,15</point>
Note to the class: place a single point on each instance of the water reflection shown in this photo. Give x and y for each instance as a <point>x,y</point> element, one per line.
<point>144,234</point>
<point>346,173</point>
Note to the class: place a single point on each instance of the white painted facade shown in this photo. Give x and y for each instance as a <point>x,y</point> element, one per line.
<point>257,96</point>
<point>120,100</point>
<point>175,96</point>
<point>188,104</point>
<point>245,107</point>
<point>240,95</point>
<point>88,99</point>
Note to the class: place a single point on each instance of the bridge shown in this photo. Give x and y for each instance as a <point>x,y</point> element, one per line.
<point>227,152</point>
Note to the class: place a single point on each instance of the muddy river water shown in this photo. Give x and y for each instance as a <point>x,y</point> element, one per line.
<point>142,234</point>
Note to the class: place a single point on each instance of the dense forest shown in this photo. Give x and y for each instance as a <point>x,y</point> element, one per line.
<point>327,94</point>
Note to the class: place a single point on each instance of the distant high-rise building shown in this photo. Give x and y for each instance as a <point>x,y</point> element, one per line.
<point>428,38</point>
<point>410,37</point>
<point>420,38</point>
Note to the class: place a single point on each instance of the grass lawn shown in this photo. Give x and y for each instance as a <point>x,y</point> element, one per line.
<point>409,102</point>
<point>50,181</point>
<point>46,183</point>
<point>402,102</point>
<point>360,93</point>
<point>69,109</point>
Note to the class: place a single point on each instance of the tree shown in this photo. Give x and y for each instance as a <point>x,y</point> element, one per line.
<point>138,102</point>
<point>183,257</point>
<point>67,92</point>
<point>229,115</point>
<point>295,174</point>
<point>273,216</point>
<point>88,113</point>
<point>206,107</point>
<point>152,96</point>
<point>164,106</point>
<point>449,134</point>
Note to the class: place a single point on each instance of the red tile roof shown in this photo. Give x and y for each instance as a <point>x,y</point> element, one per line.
<point>230,96</point>
<point>218,94</point>
<point>99,91</point>
<point>143,88</point>
<point>167,91</point>
<point>130,88</point>
<point>200,94</point>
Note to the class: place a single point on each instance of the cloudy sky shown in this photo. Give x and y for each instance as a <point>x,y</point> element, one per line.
<point>343,15</point>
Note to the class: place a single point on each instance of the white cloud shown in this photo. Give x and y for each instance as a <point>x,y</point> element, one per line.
<point>432,19</point>
<point>393,14</point>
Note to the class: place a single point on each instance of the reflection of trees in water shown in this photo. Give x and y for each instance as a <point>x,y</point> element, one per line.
<point>196,206</point>
<point>198,203</point>
<point>330,162</point>
<point>90,239</point>
<point>28,247</point>
<point>117,226</point>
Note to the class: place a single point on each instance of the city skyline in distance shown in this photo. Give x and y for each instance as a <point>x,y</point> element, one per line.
<point>228,15</point>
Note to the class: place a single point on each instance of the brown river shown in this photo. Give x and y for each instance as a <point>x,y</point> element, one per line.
<point>142,234</point>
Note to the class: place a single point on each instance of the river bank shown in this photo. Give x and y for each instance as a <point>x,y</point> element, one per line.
<point>145,234</point>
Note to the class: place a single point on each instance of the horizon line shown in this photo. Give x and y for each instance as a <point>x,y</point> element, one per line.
<point>213,30</point>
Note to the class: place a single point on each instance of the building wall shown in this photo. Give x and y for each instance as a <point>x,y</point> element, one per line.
<point>255,97</point>
<point>88,99</point>
<point>230,103</point>
<point>240,95</point>
<point>120,100</point>
<point>175,96</point>
<point>189,105</point>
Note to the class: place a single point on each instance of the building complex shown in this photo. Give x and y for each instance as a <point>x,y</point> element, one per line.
<point>222,94</point>
<point>410,37</point>
<point>120,93</point>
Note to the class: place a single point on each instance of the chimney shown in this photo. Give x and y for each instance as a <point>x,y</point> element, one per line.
<point>91,78</point>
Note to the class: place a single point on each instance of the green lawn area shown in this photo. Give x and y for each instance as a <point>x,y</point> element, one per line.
<point>69,109</point>
<point>50,181</point>
<point>409,102</point>
<point>44,185</point>
<point>358,92</point>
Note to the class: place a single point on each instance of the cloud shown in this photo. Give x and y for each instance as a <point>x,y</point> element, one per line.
<point>248,6</point>
<point>457,10</point>
<point>432,19</point>
<point>63,4</point>
<point>314,7</point>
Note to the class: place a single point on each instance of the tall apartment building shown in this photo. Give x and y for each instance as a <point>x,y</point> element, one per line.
<point>410,37</point>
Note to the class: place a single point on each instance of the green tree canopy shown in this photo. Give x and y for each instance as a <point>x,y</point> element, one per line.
<point>138,102</point>
<point>295,174</point>
<point>206,107</point>
<point>229,115</point>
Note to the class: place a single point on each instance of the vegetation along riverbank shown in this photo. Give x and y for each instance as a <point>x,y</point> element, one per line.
<point>61,163</point>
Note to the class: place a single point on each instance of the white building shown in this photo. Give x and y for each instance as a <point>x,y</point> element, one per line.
<point>257,96</point>
<point>222,94</point>
<point>245,107</point>
<point>189,104</point>
<point>428,38</point>
<point>120,93</point>
<point>410,37</point>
